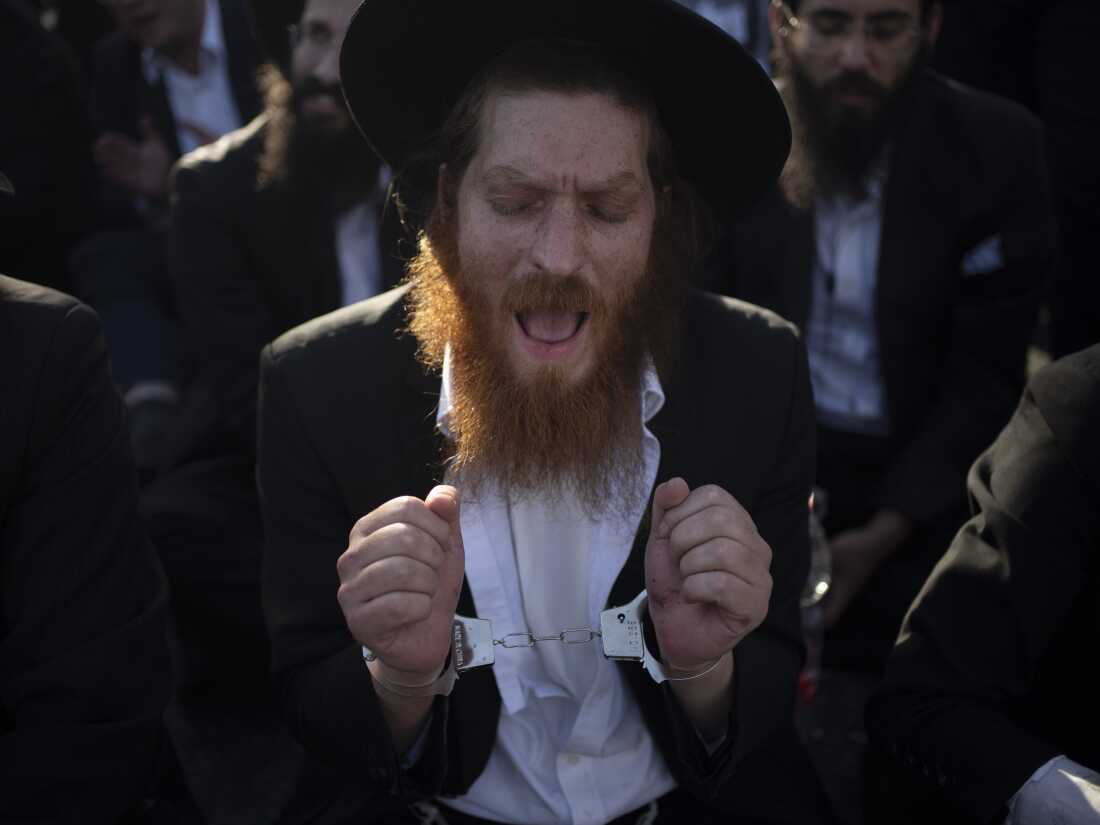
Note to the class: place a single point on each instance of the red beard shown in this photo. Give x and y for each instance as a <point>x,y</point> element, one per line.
<point>541,433</point>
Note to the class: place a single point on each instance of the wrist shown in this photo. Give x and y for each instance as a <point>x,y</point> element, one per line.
<point>677,673</point>
<point>405,678</point>
<point>406,686</point>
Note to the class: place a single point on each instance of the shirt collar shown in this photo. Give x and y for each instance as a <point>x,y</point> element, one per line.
<point>211,47</point>
<point>653,395</point>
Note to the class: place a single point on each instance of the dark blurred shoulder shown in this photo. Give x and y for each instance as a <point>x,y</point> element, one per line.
<point>735,328</point>
<point>29,313</point>
<point>369,331</point>
<point>232,157</point>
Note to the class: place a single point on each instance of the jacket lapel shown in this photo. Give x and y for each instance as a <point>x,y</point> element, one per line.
<point>244,58</point>
<point>673,426</point>
<point>160,110</point>
<point>915,216</point>
<point>801,257</point>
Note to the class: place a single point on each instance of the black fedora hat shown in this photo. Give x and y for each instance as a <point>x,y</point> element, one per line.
<point>272,20</point>
<point>720,108</point>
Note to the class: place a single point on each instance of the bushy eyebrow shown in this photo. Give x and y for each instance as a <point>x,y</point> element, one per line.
<point>884,16</point>
<point>505,174</point>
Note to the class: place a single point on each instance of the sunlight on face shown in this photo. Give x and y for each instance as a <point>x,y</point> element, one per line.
<point>315,60</point>
<point>559,188</point>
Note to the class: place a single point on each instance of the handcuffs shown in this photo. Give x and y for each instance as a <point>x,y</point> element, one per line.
<point>621,635</point>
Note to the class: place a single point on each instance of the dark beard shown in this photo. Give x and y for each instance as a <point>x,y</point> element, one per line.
<point>309,158</point>
<point>542,435</point>
<point>836,147</point>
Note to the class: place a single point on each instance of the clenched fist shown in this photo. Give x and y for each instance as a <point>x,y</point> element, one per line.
<point>707,574</point>
<point>400,580</point>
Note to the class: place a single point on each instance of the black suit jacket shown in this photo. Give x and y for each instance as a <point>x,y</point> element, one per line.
<point>989,677</point>
<point>966,168</point>
<point>121,95</point>
<point>45,149</point>
<point>248,263</point>
<point>84,673</point>
<point>347,422</point>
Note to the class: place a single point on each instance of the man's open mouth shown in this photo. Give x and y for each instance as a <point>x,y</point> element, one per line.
<point>551,326</point>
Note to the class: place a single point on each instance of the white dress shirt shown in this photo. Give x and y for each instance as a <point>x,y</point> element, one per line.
<point>571,745</point>
<point>204,100</point>
<point>359,252</point>
<point>842,339</point>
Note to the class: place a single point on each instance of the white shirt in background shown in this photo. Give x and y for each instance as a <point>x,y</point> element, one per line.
<point>842,338</point>
<point>359,252</point>
<point>204,100</point>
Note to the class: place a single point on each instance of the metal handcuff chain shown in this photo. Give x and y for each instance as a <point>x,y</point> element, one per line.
<point>621,634</point>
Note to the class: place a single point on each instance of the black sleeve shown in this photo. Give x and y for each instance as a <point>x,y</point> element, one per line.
<point>970,650</point>
<point>767,662</point>
<point>84,672</point>
<point>223,314</point>
<point>986,342</point>
<point>324,686</point>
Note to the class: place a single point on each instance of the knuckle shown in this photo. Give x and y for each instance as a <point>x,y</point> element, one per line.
<point>343,596</point>
<point>404,573</point>
<point>345,565</point>
<point>766,552</point>
<point>407,539</point>
<point>725,587</point>
<point>360,528</point>
<point>713,494</point>
<point>407,507</point>
<point>411,608</point>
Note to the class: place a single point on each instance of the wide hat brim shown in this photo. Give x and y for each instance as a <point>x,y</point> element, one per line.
<point>272,20</point>
<point>404,64</point>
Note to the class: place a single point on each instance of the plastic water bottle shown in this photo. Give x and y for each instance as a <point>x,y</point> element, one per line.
<point>817,585</point>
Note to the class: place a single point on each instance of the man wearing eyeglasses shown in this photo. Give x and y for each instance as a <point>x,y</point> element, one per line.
<point>910,237</point>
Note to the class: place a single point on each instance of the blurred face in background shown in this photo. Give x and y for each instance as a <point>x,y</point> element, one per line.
<point>315,64</point>
<point>848,66</point>
<point>165,25</point>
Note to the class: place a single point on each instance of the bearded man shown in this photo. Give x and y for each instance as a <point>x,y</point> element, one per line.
<point>610,490</point>
<point>911,237</point>
<point>274,224</point>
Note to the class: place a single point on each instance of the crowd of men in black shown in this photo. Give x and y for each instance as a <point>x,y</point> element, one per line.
<point>187,169</point>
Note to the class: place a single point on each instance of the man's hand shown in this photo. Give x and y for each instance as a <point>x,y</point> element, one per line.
<point>707,574</point>
<point>855,556</point>
<point>400,580</point>
<point>140,167</point>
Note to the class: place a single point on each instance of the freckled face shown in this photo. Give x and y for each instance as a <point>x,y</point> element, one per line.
<point>558,191</point>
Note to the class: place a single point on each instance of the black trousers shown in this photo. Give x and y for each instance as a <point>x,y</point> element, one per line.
<point>850,468</point>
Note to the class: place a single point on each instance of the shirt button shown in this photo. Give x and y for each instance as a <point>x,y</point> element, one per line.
<point>572,759</point>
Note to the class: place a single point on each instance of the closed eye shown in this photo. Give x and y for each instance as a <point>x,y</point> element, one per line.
<point>606,215</point>
<point>511,206</point>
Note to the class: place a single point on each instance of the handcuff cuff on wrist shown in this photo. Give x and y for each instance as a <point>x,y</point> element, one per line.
<point>621,635</point>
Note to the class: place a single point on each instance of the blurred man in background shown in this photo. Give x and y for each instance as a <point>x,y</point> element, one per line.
<point>84,671</point>
<point>177,75</point>
<point>911,238</point>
